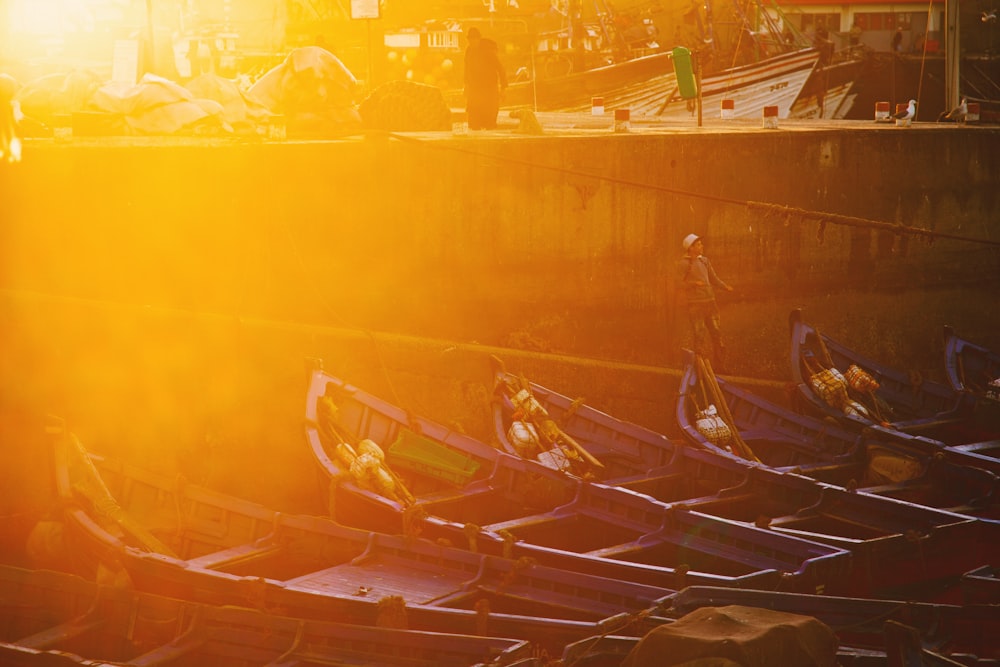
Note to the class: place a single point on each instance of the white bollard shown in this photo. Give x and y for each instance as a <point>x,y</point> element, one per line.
<point>460,124</point>
<point>771,118</point>
<point>597,106</point>
<point>622,120</point>
<point>728,108</point>
<point>882,112</point>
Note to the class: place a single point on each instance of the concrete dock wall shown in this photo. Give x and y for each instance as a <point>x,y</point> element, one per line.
<point>592,221</point>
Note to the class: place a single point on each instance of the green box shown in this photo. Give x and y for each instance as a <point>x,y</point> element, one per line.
<point>430,458</point>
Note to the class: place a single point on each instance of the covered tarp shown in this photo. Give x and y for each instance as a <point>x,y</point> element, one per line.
<point>238,109</point>
<point>159,106</point>
<point>153,106</point>
<point>737,635</point>
<point>312,89</point>
<point>45,98</point>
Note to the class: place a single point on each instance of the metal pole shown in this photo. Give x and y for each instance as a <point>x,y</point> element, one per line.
<point>368,84</point>
<point>952,55</point>
<point>697,83</point>
<point>150,49</point>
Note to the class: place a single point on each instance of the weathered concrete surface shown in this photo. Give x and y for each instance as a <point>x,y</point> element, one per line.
<point>162,297</point>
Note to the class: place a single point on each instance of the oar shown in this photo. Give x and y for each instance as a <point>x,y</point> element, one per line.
<point>727,416</point>
<point>827,359</point>
<point>587,456</point>
<point>554,431</point>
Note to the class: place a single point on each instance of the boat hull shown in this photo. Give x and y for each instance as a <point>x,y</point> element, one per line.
<point>166,537</point>
<point>63,619</point>
<point>647,87</point>
<point>878,530</point>
<point>523,508</point>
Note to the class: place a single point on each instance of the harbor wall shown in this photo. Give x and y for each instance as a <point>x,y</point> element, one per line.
<point>404,228</point>
<point>169,293</point>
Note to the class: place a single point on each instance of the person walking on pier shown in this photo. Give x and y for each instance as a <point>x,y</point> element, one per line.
<point>485,81</point>
<point>699,282</point>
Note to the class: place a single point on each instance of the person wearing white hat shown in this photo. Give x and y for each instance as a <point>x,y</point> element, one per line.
<point>699,282</point>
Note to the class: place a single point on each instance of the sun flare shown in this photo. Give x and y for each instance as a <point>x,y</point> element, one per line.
<point>50,17</point>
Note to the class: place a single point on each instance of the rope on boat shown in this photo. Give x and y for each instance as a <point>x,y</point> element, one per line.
<point>803,215</point>
<point>392,613</point>
<point>482,609</point>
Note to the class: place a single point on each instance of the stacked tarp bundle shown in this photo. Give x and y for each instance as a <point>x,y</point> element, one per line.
<point>152,106</point>
<point>737,636</point>
<point>46,98</point>
<point>312,89</point>
<point>238,109</point>
<point>159,106</point>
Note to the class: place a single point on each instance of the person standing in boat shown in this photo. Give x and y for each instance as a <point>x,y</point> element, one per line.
<point>485,81</point>
<point>699,282</point>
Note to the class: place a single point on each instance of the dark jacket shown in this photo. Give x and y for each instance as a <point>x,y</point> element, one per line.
<point>483,69</point>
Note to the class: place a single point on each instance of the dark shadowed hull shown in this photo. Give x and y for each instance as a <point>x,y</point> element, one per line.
<point>869,632</point>
<point>172,538</point>
<point>973,370</point>
<point>878,531</point>
<point>859,622</point>
<point>53,618</point>
<point>877,461</point>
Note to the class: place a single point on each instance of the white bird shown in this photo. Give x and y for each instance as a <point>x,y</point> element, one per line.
<point>908,113</point>
<point>959,113</point>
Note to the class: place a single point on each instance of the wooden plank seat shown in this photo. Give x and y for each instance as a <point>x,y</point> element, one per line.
<point>58,634</point>
<point>241,553</point>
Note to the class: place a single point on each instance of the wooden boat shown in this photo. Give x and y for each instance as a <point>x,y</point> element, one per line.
<point>877,531</point>
<point>55,618</point>
<point>462,490</point>
<point>972,369</point>
<point>888,397</point>
<point>830,91</point>
<point>620,448</point>
<point>981,585</point>
<point>898,548</point>
<point>177,539</point>
<point>775,81</point>
<point>879,461</point>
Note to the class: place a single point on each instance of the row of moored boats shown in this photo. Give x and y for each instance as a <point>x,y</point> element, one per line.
<point>861,528</point>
